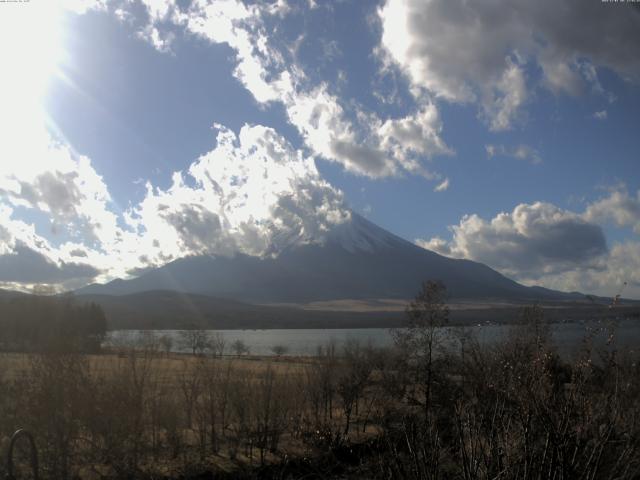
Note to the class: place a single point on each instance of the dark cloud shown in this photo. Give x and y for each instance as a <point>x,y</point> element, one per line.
<point>199,228</point>
<point>363,159</point>
<point>25,265</point>
<point>78,252</point>
<point>57,191</point>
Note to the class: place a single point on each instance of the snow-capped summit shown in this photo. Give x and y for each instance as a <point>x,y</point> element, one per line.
<point>360,235</point>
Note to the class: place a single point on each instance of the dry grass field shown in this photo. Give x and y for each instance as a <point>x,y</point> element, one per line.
<point>169,367</point>
<point>143,412</point>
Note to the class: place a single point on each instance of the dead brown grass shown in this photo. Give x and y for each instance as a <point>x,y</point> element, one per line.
<point>132,412</point>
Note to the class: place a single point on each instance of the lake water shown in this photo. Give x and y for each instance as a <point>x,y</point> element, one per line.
<point>568,337</point>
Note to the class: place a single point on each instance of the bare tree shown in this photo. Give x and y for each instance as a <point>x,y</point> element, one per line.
<point>239,347</point>
<point>279,350</point>
<point>426,315</point>
<point>356,370</point>
<point>217,344</point>
<point>148,341</point>
<point>166,343</point>
<point>195,340</point>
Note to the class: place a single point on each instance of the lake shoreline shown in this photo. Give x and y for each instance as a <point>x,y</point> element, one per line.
<point>569,336</point>
<point>470,317</point>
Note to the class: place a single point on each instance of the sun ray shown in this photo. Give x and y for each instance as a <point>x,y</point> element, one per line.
<point>30,50</point>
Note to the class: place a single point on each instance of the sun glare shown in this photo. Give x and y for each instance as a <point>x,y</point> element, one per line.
<point>30,50</point>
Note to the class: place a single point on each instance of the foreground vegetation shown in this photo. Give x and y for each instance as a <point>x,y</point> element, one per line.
<point>512,410</point>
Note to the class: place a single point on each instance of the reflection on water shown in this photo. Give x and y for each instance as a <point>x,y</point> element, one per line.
<point>568,337</point>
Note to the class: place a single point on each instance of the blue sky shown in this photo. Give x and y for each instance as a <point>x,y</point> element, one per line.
<point>137,132</point>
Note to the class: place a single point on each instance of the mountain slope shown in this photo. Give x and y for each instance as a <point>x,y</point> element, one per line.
<point>5,294</point>
<point>357,260</point>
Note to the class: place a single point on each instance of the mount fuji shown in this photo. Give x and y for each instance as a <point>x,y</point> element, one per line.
<point>356,260</point>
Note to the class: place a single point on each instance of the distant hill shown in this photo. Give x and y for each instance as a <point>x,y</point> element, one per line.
<point>10,293</point>
<point>160,309</point>
<point>357,260</point>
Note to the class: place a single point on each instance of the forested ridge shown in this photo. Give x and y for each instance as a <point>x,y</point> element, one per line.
<point>46,323</point>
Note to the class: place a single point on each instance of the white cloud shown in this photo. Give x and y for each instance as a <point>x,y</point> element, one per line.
<point>321,120</point>
<point>501,104</point>
<point>541,244</point>
<point>619,208</point>
<point>532,241</point>
<point>47,176</point>
<point>519,152</point>
<point>161,41</point>
<point>159,9</point>
<point>561,74</point>
<point>600,115</point>
<point>239,26</point>
<point>621,265</point>
<point>369,147</point>
<point>414,134</point>
<point>591,76</point>
<point>252,194</point>
<point>435,244</point>
<point>442,186</point>
<point>477,51</point>
<point>361,141</point>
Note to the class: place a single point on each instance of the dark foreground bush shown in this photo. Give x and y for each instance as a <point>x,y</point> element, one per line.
<point>517,411</point>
